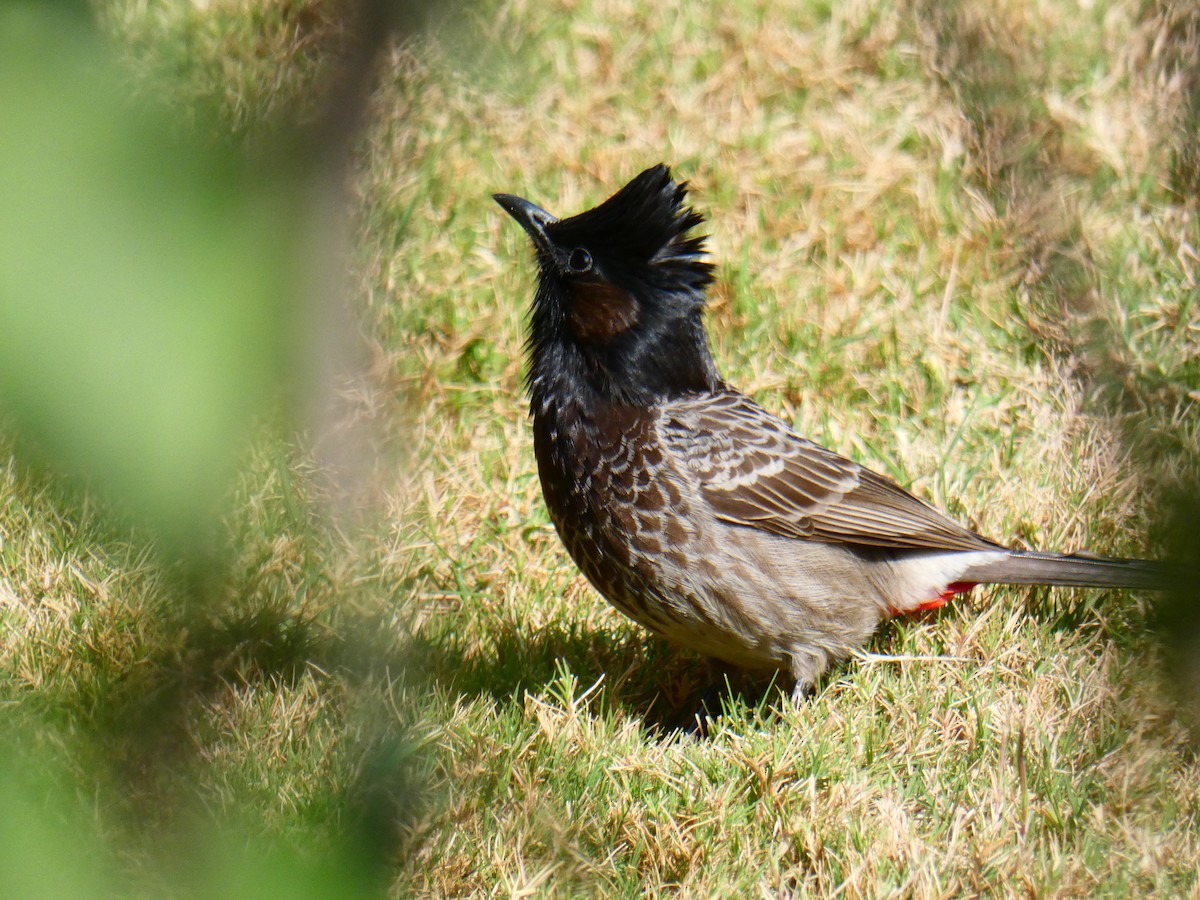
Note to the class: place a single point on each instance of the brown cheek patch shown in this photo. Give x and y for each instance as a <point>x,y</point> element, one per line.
<point>600,311</point>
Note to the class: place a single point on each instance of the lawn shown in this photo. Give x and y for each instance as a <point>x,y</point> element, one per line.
<point>955,241</point>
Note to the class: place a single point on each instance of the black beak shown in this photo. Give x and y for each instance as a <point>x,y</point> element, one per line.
<point>529,216</point>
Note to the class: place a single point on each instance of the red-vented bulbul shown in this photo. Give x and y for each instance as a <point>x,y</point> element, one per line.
<point>688,506</point>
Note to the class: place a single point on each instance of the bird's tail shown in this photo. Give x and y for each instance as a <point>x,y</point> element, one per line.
<point>1077,570</point>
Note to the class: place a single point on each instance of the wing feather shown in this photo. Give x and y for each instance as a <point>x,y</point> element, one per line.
<point>754,470</point>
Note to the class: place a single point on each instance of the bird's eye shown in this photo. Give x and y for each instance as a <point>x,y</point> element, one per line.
<point>580,261</point>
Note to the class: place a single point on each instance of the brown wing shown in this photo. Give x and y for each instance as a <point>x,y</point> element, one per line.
<point>754,470</point>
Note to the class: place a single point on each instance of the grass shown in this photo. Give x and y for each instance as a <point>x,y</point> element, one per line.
<point>955,241</point>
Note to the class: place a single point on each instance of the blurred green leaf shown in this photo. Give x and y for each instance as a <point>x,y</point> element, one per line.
<point>142,280</point>
<point>51,849</point>
<point>45,853</point>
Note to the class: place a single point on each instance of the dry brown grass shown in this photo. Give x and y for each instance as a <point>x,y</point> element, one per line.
<point>955,241</point>
<point>876,178</point>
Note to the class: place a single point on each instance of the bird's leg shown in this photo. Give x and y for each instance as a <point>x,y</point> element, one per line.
<point>807,665</point>
<point>800,693</point>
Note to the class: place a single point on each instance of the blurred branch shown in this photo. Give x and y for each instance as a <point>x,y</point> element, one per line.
<point>161,296</point>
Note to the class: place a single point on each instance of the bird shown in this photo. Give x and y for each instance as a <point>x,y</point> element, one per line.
<point>692,509</point>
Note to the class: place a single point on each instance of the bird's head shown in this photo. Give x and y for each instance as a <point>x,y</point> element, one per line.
<point>618,310</point>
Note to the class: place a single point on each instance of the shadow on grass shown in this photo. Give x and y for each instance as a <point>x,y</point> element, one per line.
<point>1017,158</point>
<point>135,739</point>
<point>997,70</point>
<point>139,717</point>
<point>1176,619</point>
<point>646,677</point>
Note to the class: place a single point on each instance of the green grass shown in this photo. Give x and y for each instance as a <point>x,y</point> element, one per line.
<point>951,243</point>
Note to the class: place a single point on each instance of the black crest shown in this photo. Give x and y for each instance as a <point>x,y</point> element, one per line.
<point>618,313</point>
<point>646,223</point>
